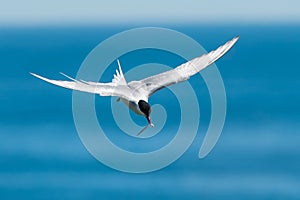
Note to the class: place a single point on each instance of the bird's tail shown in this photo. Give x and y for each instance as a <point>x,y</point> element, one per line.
<point>119,78</point>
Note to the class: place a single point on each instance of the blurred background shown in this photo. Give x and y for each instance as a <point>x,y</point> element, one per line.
<point>257,155</point>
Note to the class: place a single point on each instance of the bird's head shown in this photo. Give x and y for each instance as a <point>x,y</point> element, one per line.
<point>146,110</point>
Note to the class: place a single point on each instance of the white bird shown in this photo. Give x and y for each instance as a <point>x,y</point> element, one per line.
<point>135,94</point>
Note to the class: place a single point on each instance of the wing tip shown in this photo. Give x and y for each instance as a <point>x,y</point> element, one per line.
<point>40,77</point>
<point>35,75</point>
<point>235,39</point>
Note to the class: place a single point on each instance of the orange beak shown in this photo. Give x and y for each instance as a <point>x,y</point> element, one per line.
<point>149,121</point>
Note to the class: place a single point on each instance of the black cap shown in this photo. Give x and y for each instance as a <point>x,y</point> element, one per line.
<point>145,107</point>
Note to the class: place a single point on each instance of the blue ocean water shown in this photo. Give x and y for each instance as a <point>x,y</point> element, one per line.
<point>257,156</point>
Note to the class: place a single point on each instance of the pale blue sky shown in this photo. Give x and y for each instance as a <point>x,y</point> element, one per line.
<point>137,11</point>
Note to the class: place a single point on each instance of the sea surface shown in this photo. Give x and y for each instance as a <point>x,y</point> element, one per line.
<point>256,157</point>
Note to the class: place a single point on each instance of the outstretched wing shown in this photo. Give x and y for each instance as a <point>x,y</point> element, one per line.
<point>103,89</point>
<point>186,70</point>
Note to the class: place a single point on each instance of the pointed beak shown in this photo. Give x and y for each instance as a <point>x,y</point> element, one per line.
<point>149,121</point>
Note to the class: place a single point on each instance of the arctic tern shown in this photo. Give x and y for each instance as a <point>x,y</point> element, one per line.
<point>135,94</point>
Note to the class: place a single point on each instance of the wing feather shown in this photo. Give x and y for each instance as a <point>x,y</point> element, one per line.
<point>186,70</point>
<point>103,89</point>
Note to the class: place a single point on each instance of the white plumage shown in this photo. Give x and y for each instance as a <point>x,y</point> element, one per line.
<point>133,92</point>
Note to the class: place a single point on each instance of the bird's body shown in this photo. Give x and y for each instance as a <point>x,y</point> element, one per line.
<point>135,94</point>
